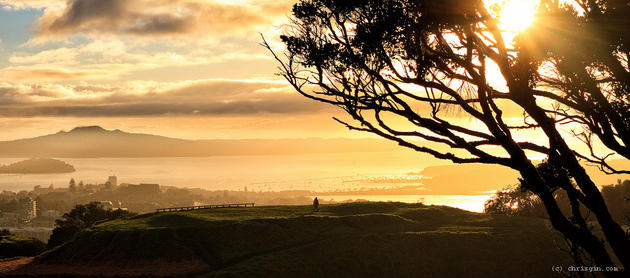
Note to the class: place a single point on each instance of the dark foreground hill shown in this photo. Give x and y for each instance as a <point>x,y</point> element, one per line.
<point>14,246</point>
<point>349,240</point>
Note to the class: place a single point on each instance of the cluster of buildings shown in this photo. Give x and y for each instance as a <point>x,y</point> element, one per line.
<point>26,210</point>
<point>20,214</point>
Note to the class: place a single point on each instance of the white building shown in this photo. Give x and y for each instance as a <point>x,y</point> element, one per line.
<point>27,207</point>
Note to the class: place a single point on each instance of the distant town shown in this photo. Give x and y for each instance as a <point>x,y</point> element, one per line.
<point>33,213</point>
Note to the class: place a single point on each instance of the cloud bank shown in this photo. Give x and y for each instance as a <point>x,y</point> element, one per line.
<point>160,17</point>
<point>202,97</point>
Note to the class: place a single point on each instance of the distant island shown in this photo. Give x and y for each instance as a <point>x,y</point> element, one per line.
<point>37,166</point>
<point>95,141</point>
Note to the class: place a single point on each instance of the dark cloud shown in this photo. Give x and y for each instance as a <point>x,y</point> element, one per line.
<point>25,95</point>
<point>284,106</point>
<point>10,96</point>
<point>84,11</point>
<point>158,17</point>
<point>214,97</point>
<point>160,23</point>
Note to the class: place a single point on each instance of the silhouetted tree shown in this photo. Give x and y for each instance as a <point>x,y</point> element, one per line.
<point>515,201</point>
<point>9,205</point>
<point>588,76</point>
<point>617,197</point>
<point>82,217</point>
<point>402,69</point>
<point>72,186</point>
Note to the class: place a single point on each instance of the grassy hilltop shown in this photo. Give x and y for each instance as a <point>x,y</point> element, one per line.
<point>14,246</point>
<point>356,240</point>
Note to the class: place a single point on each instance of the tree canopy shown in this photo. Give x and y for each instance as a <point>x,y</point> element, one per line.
<point>82,217</point>
<point>410,71</point>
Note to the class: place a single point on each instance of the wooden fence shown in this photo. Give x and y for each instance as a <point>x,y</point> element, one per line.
<point>241,205</point>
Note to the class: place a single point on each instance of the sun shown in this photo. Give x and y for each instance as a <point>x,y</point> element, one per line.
<point>517,15</point>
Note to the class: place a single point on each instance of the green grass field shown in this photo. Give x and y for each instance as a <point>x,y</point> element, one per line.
<point>347,240</point>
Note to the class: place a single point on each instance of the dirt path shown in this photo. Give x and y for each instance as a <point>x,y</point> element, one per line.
<point>162,268</point>
<point>8,265</point>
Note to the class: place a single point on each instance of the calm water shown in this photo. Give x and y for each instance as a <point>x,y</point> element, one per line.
<point>317,172</point>
<point>467,202</point>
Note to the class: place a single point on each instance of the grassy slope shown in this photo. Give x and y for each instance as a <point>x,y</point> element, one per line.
<point>13,246</point>
<point>359,239</point>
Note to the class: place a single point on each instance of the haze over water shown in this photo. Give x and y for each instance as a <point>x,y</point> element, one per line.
<point>312,172</point>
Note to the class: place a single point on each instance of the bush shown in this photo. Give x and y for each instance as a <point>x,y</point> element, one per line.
<point>12,246</point>
<point>82,217</point>
<point>514,201</point>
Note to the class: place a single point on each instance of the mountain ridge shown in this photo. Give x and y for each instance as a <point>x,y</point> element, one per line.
<point>95,141</point>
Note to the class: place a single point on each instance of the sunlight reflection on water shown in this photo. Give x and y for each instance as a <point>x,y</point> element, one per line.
<point>317,172</point>
<point>313,172</point>
<point>466,202</point>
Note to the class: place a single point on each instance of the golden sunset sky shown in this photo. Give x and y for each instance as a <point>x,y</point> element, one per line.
<point>180,68</point>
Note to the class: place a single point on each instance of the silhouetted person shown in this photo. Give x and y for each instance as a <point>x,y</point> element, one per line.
<point>315,204</point>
